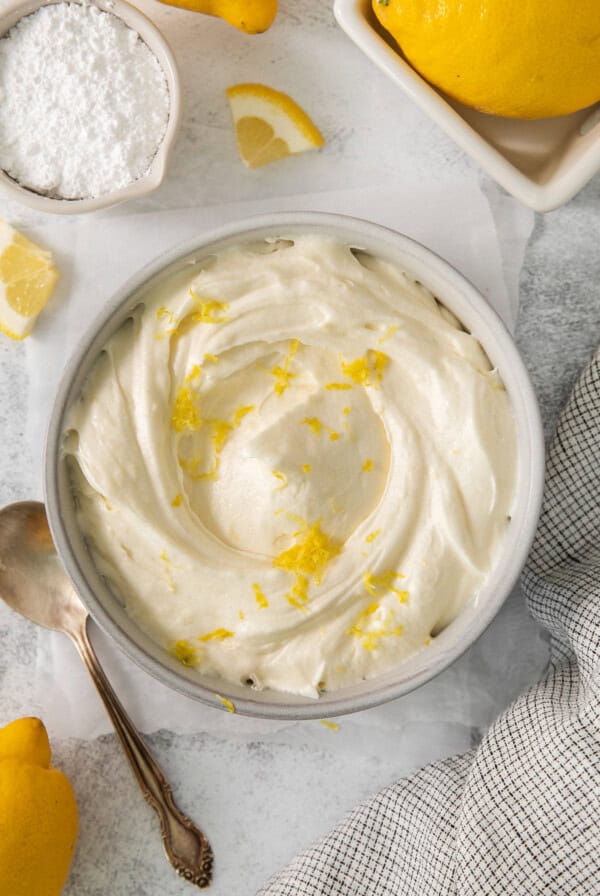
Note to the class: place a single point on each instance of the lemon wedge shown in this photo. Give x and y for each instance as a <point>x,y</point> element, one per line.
<point>27,278</point>
<point>269,125</point>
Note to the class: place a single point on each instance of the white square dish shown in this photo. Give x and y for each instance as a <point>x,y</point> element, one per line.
<point>543,163</point>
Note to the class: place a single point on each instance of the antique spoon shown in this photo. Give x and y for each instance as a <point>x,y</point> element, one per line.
<point>33,582</point>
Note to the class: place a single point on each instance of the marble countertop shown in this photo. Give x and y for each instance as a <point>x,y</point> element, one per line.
<point>264,791</point>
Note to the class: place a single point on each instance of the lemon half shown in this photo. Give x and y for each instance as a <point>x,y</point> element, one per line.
<point>27,279</point>
<point>269,125</point>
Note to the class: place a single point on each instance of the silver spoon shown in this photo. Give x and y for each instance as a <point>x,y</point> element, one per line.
<point>33,582</point>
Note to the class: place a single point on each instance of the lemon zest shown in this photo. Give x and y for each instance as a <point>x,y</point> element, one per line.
<point>214,359</point>
<point>185,653</point>
<point>378,585</point>
<point>313,423</point>
<point>177,500</point>
<point>306,468</point>
<point>388,333</point>
<point>186,415</point>
<point>372,536</point>
<point>370,637</point>
<point>334,436</point>
<point>259,594</point>
<point>219,634</point>
<point>367,466</point>
<point>167,564</point>
<point>340,386</point>
<point>210,311</point>
<point>333,726</point>
<point>228,704</point>
<point>241,413</point>
<point>283,375</point>
<point>346,410</point>
<point>368,370</point>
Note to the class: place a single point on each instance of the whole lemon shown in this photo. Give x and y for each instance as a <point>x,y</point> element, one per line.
<point>515,58</point>
<point>38,814</point>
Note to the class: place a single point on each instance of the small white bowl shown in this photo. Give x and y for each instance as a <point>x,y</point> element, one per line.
<point>543,163</point>
<point>477,316</point>
<point>149,33</point>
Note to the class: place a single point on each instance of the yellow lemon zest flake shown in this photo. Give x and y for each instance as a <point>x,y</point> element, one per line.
<point>307,559</point>
<point>241,413</point>
<point>388,334</point>
<point>281,477</point>
<point>177,500</point>
<point>191,466</point>
<point>366,371</point>
<point>219,634</point>
<point>213,359</point>
<point>306,468</point>
<point>283,375</point>
<point>166,315</point>
<point>227,703</point>
<point>346,410</point>
<point>372,536</point>
<point>378,585</point>
<point>332,386</point>
<point>370,637</point>
<point>311,554</point>
<point>185,653</point>
<point>402,596</point>
<point>313,423</point>
<point>334,436</point>
<point>259,594</point>
<point>241,615</point>
<point>367,466</point>
<point>186,411</point>
<point>333,726</point>
<point>221,432</point>
<point>167,565</point>
<point>210,311</point>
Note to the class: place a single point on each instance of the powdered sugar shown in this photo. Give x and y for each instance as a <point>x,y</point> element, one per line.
<point>84,102</point>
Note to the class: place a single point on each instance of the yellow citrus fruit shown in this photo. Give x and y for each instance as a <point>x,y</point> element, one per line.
<point>38,814</point>
<point>514,58</point>
<point>251,16</point>
<point>269,125</point>
<point>27,279</point>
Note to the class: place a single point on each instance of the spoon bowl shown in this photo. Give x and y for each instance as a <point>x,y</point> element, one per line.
<point>32,580</point>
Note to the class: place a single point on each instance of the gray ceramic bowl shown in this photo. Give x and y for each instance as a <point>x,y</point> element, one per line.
<point>476,315</point>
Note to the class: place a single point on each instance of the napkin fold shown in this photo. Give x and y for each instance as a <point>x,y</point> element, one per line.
<point>520,814</point>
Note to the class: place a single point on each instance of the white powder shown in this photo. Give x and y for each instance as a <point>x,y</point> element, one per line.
<point>84,103</point>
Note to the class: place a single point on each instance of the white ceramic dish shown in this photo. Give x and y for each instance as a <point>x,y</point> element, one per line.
<point>476,315</point>
<point>543,163</point>
<point>149,33</point>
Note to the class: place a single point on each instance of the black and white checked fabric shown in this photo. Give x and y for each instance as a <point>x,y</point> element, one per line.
<point>521,813</point>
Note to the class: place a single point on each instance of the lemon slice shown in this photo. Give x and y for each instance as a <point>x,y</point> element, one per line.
<point>27,278</point>
<point>269,125</point>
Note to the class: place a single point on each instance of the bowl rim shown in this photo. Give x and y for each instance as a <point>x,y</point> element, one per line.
<point>475,616</point>
<point>158,45</point>
<point>351,16</point>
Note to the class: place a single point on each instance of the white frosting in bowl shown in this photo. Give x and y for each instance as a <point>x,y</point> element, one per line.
<point>293,465</point>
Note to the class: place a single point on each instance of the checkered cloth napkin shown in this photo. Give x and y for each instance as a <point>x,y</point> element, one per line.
<point>521,813</point>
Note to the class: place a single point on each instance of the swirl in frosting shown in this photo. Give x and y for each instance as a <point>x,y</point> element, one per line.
<point>293,465</point>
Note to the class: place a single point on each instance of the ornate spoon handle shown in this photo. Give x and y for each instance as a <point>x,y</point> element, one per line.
<point>187,848</point>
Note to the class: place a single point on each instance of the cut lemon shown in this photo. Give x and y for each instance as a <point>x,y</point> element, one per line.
<point>27,278</point>
<point>269,125</point>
